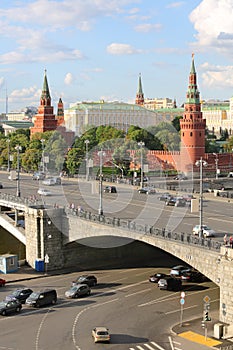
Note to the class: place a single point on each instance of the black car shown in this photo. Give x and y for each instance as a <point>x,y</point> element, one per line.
<point>156,277</point>
<point>7,307</point>
<point>147,190</point>
<point>19,294</point>
<point>164,197</point>
<point>110,189</point>
<point>193,276</point>
<point>1,186</point>
<point>90,280</point>
<point>170,283</point>
<point>176,201</point>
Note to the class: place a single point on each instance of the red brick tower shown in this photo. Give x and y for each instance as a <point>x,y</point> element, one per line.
<point>139,96</point>
<point>60,112</point>
<point>44,120</point>
<point>192,126</point>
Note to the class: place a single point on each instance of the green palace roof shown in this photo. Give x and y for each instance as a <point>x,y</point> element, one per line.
<point>18,124</point>
<point>101,105</point>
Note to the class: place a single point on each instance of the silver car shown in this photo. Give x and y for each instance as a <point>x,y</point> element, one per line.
<point>78,290</point>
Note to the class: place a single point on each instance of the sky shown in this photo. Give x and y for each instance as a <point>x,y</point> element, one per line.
<point>95,50</point>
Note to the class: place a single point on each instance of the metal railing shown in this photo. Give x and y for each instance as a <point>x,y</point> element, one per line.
<point>129,225</point>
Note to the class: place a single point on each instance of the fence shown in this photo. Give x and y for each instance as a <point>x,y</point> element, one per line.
<point>181,237</point>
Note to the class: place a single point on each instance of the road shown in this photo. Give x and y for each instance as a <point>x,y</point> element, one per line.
<point>138,314</point>
<point>128,204</point>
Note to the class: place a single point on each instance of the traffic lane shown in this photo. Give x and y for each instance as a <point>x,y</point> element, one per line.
<point>127,298</point>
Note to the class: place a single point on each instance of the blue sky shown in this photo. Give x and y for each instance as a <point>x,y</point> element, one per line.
<point>95,49</point>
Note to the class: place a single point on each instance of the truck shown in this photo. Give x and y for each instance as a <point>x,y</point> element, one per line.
<point>13,175</point>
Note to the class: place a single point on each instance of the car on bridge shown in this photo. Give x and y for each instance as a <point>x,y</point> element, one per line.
<point>147,190</point>
<point>176,201</point>
<point>110,189</point>
<point>44,192</point>
<point>206,231</point>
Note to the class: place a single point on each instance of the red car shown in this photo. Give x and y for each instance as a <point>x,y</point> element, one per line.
<point>2,282</point>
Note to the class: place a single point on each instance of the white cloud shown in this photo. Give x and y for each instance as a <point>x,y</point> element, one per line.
<point>213,21</point>
<point>176,4</point>
<point>68,79</point>
<point>216,76</point>
<point>148,27</point>
<point>122,49</point>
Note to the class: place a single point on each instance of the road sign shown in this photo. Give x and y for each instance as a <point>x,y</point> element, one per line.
<point>182,295</point>
<point>206,299</point>
<point>46,259</point>
<point>182,301</point>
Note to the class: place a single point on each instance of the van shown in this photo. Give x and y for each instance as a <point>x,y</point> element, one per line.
<point>41,298</point>
<point>170,283</point>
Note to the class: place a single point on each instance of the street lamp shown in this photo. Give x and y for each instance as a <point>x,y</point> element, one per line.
<point>87,160</point>
<point>200,163</point>
<point>216,165</point>
<point>18,148</point>
<point>101,154</point>
<point>141,144</point>
<point>43,141</point>
<point>8,154</point>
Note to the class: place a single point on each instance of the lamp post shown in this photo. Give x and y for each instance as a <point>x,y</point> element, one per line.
<point>43,141</point>
<point>18,148</point>
<point>141,144</point>
<point>87,160</point>
<point>200,163</point>
<point>8,154</point>
<point>101,154</point>
<point>216,165</point>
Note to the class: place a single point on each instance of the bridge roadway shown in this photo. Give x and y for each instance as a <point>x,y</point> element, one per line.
<point>209,257</point>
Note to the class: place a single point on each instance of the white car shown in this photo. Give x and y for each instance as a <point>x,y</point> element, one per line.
<point>100,334</point>
<point>206,230</point>
<point>49,182</point>
<point>44,192</point>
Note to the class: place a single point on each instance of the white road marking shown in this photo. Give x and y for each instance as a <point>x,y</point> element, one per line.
<point>141,291</point>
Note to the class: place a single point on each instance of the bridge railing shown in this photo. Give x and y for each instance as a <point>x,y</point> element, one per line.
<point>130,225</point>
<point>31,201</point>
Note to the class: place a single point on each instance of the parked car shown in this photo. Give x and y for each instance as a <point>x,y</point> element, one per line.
<point>1,185</point>
<point>78,290</point>
<point>7,307</point>
<point>44,192</point>
<point>110,189</point>
<point>41,298</point>
<point>2,282</point>
<point>178,270</point>
<point>170,283</point>
<point>147,190</point>
<point>19,294</point>
<point>206,230</point>
<point>164,196</point>
<point>156,277</point>
<point>180,177</point>
<point>101,334</point>
<point>90,280</point>
<point>38,176</point>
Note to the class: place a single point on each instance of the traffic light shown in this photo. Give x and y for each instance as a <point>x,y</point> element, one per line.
<point>206,316</point>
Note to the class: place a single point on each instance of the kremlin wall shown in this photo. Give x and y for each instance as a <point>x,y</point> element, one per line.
<point>192,129</point>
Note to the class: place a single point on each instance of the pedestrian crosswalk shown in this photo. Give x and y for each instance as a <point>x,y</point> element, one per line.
<point>148,346</point>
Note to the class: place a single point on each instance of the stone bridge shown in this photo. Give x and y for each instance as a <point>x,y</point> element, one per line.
<point>53,232</point>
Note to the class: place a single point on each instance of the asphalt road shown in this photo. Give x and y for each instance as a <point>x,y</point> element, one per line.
<point>128,204</point>
<point>137,313</point>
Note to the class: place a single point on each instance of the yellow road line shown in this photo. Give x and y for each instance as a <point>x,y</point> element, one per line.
<point>200,339</point>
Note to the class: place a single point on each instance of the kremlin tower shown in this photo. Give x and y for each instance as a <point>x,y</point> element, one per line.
<point>192,125</point>
<point>45,119</point>
<point>139,96</point>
